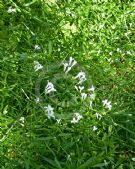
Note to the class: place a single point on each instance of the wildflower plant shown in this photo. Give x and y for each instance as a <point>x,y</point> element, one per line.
<point>66,78</point>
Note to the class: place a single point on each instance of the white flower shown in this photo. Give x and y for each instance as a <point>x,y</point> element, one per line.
<point>50,112</point>
<point>92,96</point>
<point>68,66</point>
<point>69,157</point>
<point>37,47</point>
<point>128,52</point>
<point>11,10</point>
<point>90,103</point>
<point>79,88</point>
<point>110,53</point>
<point>118,50</point>
<point>84,96</point>
<point>98,116</point>
<point>72,62</point>
<point>5,112</point>
<point>94,128</point>
<point>91,89</point>
<point>22,121</point>
<point>133,159</point>
<point>68,69</point>
<point>65,66</point>
<point>81,76</point>
<point>76,118</point>
<point>58,120</point>
<point>49,88</point>
<point>107,104</point>
<point>37,100</point>
<point>37,66</point>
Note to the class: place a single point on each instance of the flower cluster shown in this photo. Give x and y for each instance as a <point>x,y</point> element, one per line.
<point>37,66</point>
<point>81,76</point>
<point>49,88</point>
<point>85,95</point>
<point>50,112</point>
<point>107,104</point>
<point>68,66</point>
<point>77,117</point>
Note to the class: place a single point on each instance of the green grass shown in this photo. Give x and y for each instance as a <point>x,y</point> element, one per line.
<point>100,36</point>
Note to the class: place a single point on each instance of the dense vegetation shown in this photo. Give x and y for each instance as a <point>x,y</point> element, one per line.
<point>67,84</point>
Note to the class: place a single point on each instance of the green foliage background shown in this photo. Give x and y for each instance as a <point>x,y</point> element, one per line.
<point>88,31</point>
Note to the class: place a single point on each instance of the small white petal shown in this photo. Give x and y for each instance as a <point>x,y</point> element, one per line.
<point>58,120</point>
<point>133,159</point>
<point>74,63</point>
<point>128,52</point>
<point>107,104</point>
<point>98,116</point>
<point>37,100</point>
<point>92,96</point>
<point>22,121</point>
<point>74,120</point>
<point>90,103</point>
<point>80,75</point>
<point>81,88</point>
<point>50,112</point>
<point>68,69</point>
<point>37,66</point>
<point>77,117</point>
<point>68,66</point>
<point>91,89</point>
<point>118,50</point>
<point>84,96</point>
<point>65,66</point>
<point>110,53</point>
<point>11,10</point>
<point>76,88</point>
<point>49,88</point>
<point>37,47</point>
<point>94,128</point>
<point>71,60</point>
